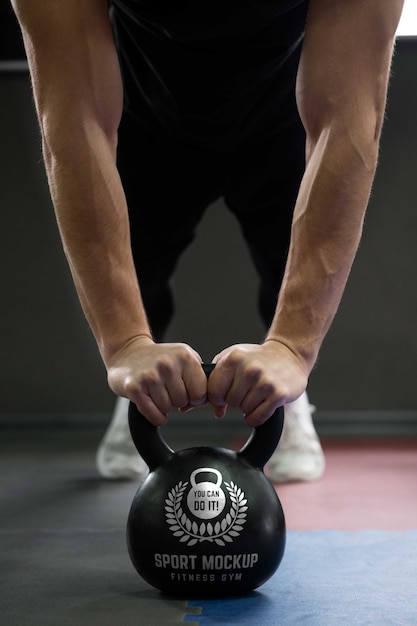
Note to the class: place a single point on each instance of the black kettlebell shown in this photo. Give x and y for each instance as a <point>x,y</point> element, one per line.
<point>206,521</point>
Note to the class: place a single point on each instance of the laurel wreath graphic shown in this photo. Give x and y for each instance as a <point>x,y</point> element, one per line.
<point>187,531</point>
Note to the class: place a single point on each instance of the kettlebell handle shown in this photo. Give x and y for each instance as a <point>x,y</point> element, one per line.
<point>155,451</point>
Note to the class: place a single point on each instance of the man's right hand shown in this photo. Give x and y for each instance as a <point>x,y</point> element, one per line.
<point>158,377</point>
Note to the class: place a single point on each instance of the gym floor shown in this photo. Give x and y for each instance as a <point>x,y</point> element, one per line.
<point>351,554</point>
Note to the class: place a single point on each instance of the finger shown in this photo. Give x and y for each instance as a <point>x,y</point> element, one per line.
<point>158,391</point>
<point>260,414</point>
<point>177,392</point>
<point>150,398</point>
<point>169,388</point>
<point>219,383</point>
<point>237,393</point>
<point>195,383</point>
<point>148,408</point>
<point>220,411</point>
<point>262,391</point>
<point>189,407</point>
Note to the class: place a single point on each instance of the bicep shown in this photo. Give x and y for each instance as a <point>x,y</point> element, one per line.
<point>345,62</point>
<point>73,62</point>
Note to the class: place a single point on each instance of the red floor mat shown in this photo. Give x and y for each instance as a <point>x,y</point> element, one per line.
<point>367,485</point>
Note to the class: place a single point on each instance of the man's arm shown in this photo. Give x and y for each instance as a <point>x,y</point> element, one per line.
<point>78,95</point>
<point>341,95</point>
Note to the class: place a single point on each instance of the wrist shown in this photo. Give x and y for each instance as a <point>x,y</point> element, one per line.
<point>111,352</point>
<point>304,358</point>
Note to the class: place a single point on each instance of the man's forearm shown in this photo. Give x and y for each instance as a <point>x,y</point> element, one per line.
<point>326,231</point>
<point>341,95</point>
<point>78,94</point>
<point>92,217</point>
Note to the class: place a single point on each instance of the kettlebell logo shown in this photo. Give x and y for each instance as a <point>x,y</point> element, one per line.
<point>206,500</point>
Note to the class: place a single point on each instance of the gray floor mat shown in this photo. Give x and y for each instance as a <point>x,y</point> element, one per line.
<point>63,555</point>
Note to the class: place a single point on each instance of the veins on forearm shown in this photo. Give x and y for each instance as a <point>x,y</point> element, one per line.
<point>326,231</point>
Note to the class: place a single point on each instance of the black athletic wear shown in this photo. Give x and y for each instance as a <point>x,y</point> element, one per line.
<point>210,72</point>
<point>210,111</point>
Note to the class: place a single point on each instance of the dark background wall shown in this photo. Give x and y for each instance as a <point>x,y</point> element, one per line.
<point>49,362</point>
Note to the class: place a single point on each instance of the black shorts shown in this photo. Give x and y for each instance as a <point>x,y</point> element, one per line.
<point>169,185</point>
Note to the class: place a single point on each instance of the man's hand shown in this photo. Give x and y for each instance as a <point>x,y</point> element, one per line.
<point>257,379</point>
<point>158,377</point>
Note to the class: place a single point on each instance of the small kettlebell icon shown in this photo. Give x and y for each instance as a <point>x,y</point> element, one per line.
<point>206,499</point>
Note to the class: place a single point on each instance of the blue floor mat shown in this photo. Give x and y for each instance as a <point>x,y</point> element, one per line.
<point>330,578</point>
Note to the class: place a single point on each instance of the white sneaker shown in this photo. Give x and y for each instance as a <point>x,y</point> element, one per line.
<point>299,455</point>
<point>117,457</point>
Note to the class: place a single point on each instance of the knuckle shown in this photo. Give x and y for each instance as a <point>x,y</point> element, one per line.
<point>216,400</point>
<point>233,357</point>
<point>196,398</point>
<point>165,366</point>
<point>150,378</point>
<point>131,387</point>
<point>162,401</point>
<point>180,399</point>
<point>253,372</point>
<point>185,353</point>
<point>188,353</point>
<point>280,395</point>
<point>267,387</point>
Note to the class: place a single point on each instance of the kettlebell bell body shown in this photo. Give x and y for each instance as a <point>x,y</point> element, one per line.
<point>206,521</point>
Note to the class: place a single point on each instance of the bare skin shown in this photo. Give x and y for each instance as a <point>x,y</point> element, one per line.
<point>341,95</point>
